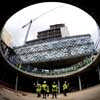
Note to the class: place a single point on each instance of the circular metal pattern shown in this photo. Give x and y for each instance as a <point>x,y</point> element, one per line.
<point>50,39</point>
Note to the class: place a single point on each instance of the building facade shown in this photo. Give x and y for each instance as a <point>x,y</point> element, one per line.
<point>53,56</point>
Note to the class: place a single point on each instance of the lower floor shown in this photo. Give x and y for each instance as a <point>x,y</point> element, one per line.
<point>18,81</point>
<point>80,81</point>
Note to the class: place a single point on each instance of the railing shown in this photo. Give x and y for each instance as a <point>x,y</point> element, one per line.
<point>72,68</point>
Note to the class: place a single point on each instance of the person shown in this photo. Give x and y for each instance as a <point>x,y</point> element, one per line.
<point>34,87</point>
<point>54,90</point>
<point>44,89</point>
<point>19,66</point>
<point>38,90</point>
<point>48,90</point>
<point>65,88</point>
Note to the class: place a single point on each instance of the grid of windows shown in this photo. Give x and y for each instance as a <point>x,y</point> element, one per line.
<point>56,50</point>
<point>52,33</point>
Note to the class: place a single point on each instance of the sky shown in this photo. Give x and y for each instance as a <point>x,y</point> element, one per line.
<point>45,14</point>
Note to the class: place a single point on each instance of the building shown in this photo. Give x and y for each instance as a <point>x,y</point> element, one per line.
<point>63,48</point>
<point>6,37</point>
<point>36,57</point>
<point>54,56</point>
<point>55,31</point>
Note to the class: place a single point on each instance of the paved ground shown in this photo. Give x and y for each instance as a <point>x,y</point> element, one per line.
<point>92,93</point>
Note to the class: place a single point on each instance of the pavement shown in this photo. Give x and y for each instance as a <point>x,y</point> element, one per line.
<point>92,93</point>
